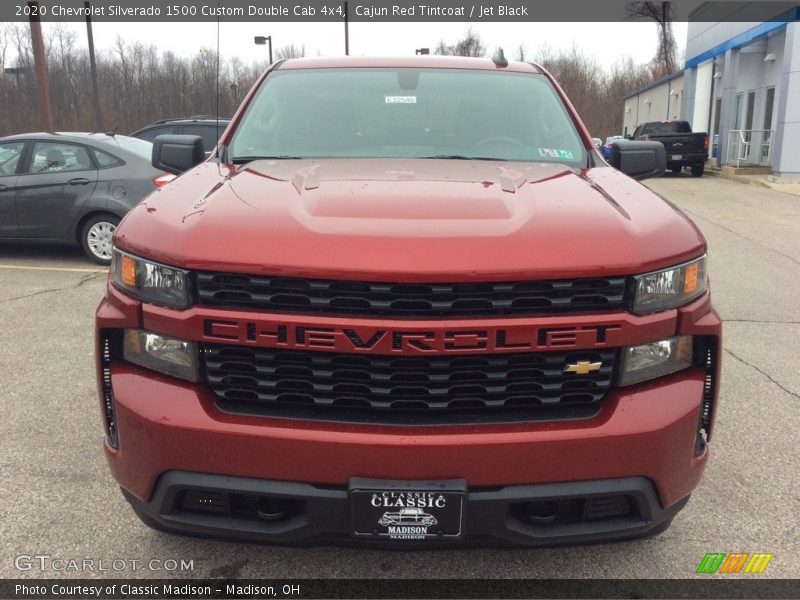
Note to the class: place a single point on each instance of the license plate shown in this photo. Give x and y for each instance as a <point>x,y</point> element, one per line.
<point>413,511</point>
<point>677,156</point>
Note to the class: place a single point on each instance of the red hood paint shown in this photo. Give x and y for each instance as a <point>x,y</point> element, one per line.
<point>409,220</point>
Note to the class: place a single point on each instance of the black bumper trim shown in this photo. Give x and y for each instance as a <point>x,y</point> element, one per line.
<point>322,514</point>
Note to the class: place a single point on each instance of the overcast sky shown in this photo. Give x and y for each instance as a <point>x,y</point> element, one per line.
<point>608,42</point>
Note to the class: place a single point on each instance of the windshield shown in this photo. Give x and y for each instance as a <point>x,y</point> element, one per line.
<point>668,127</point>
<point>405,113</point>
<point>134,145</point>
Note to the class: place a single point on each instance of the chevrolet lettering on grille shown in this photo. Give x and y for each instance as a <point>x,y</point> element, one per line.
<point>379,340</point>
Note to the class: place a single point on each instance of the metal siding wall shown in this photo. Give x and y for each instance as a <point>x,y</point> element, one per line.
<point>786,152</point>
<point>702,95</point>
<point>701,37</point>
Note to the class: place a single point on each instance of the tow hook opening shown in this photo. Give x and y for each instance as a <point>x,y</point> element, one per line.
<point>542,512</point>
<point>563,511</point>
<point>271,508</point>
<point>248,507</point>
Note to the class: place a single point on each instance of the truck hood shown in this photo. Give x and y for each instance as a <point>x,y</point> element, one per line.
<point>409,220</point>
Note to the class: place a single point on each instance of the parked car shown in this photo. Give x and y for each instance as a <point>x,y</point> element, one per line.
<point>684,148</point>
<point>72,187</point>
<point>208,127</point>
<point>606,147</point>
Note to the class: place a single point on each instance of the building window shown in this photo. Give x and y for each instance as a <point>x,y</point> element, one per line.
<point>737,111</point>
<point>768,108</point>
<point>751,106</point>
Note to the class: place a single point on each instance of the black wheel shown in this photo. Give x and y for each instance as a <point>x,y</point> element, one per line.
<point>96,236</point>
<point>676,169</point>
<point>697,170</point>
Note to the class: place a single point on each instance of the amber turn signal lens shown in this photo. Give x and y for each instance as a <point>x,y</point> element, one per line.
<point>684,351</point>
<point>128,271</point>
<point>690,283</point>
<point>132,340</point>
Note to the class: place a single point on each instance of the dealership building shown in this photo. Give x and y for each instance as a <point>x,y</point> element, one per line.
<point>741,84</point>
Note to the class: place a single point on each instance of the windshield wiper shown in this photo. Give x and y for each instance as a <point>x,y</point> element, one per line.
<point>240,160</point>
<point>464,157</point>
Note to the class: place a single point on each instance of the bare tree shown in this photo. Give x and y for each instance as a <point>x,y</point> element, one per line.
<point>544,54</point>
<point>521,53</point>
<point>139,85</point>
<point>597,94</point>
<point>665,61</point>
<point>290,51</point>
<point>469,44</point>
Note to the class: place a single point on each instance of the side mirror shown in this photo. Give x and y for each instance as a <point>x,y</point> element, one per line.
<point>177,153</point>
<point>639,160</point>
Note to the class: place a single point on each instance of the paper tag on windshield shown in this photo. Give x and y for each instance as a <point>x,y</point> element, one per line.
<point>401,99</point>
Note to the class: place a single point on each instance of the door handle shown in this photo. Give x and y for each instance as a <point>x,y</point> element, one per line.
<point>78,181</point>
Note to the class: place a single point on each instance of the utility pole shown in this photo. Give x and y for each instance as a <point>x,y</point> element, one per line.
<point>40,67</point>
<point>346,31</point>
<point>98,119</point>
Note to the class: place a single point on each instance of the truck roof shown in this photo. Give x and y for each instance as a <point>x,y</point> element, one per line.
<point>429,62</point>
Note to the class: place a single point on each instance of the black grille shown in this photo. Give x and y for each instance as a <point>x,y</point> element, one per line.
<point>349,386</point>
<point>110,347</point>
<point>285,294</point>
<point>706,356</point>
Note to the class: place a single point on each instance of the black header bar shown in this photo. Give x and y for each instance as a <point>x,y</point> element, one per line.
<point>474,11</point>
<point>732,586</point>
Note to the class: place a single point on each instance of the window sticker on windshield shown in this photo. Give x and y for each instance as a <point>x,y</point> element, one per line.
<point>401,99</point>
<point>556,153</point>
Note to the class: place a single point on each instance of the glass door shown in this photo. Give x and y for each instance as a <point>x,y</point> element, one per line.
<point>766,144</point>
<point>737,111</point>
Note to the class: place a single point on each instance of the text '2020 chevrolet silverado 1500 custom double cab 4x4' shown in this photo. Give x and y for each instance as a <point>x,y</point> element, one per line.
<point>406,301</point>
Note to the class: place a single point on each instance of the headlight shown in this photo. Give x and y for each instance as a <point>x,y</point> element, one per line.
<point>163,354</point>
<point>648,361</point>
<point>150,281</point>
<point>669,288</point>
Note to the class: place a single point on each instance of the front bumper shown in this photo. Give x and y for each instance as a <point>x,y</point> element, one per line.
<point>648,430</point>
<point>642,443</point>
<point>315,514</point>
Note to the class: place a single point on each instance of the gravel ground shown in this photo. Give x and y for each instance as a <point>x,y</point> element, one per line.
<point>59,498</point>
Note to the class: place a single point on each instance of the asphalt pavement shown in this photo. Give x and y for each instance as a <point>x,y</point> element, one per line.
<point>59,500</point>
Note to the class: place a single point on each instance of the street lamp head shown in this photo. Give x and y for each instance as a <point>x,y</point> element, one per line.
<point>261,40</point>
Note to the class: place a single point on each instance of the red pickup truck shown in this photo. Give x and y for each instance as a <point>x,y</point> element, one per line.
<point>407,283</point>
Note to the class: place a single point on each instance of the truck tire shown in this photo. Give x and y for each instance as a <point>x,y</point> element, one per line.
<point>96,237</point>
<point>697,170</point>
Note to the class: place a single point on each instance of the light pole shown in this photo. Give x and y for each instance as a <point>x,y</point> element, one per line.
<point>260,40</point>
<point>16,72</point>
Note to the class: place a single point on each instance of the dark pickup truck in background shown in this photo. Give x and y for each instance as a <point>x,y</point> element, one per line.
<point>684,148</point>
